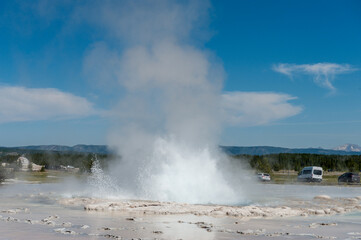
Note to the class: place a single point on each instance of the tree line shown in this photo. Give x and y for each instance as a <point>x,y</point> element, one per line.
<point>297,161</point>
<point>53,160</point>
<point>262,163</point>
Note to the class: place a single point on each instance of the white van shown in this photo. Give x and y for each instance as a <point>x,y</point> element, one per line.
<point>310,174</point>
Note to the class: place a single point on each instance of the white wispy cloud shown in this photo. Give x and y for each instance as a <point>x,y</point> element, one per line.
<point>257,108</point>
<point>32,104</point>
<point>323,73</point>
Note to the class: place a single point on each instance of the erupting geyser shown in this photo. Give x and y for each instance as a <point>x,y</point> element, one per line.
<point>169,117</point>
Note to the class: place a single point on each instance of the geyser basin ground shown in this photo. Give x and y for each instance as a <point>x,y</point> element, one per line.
<point>42,212</point>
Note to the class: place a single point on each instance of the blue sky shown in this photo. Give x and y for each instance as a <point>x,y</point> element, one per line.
<point>291,69</point>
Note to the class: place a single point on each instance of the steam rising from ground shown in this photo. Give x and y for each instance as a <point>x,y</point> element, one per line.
<point>168,170</point>
<point>168,120</point>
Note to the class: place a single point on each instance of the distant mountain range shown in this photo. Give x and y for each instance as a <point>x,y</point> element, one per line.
<point>81,148</point>
<point>347,149</point>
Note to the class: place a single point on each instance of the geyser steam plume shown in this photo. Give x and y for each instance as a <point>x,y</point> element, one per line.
<point>168,119</point>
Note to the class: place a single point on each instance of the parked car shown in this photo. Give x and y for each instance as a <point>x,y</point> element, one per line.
<point>349,177</point>
<point>310,174</point>
<point>264,176</point>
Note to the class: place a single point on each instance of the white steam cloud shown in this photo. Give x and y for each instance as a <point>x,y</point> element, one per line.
<point>323,73</point>
<point>32,104</point>
<point>169,125</point>
<point>171,109</point>
<point>177,84</point>
<point>169,115</point>
<point>147,22</point>
<point>100,64</point>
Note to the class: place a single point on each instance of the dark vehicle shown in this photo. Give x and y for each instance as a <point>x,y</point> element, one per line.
<point>349,177</point>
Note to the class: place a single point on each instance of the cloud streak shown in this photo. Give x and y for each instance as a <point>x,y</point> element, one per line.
<point>323,73</point>
<point>257,108</point>
<point>18,104</point>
